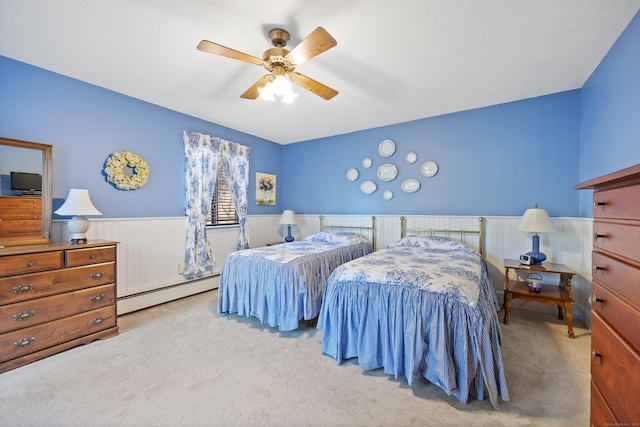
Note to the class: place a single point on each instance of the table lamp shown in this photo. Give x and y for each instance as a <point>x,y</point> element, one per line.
<point>536,221</point>
<point>78,204</point>
<point>288,218</point>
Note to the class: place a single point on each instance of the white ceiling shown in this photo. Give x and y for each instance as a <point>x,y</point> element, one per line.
<point>396,60</point>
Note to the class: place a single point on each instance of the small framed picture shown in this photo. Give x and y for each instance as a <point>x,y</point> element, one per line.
<point>265,189</point>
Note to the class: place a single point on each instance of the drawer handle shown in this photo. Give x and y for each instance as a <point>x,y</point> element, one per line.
<point>97,321</point>
<point>595,299</point>
<point>92,256</point>
<point>31,264</point>
<point>21,289</point>
<point>97,276</point>
<point>596,203</point>
<point>23,342</point>
<point>97,298</point>
<point>595,268</point>
<point>596,236</point>
<point>23,315</point>
<point>595,355</point>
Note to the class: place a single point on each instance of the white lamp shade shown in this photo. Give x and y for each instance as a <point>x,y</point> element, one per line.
<point>78,203</point>
<point>536,220</point>
<point>288,217</point>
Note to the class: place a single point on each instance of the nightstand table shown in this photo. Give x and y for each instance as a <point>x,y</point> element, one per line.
<point>559,295</point>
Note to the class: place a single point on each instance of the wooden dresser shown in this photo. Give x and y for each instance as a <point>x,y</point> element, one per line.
<point>53,297</point>
<point>615,298</point>
<point>20,215</point>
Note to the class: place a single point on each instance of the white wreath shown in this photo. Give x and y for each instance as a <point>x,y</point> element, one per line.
<point>114,170</point>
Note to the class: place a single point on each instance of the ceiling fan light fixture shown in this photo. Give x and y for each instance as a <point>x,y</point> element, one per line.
<point>280,62</point>
<point>280,87</point>
<point>266,92</point>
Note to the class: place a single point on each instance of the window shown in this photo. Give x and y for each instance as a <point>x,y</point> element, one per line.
<point>222,212</point>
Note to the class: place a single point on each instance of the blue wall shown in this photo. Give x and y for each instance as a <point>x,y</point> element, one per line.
<point>85,124</point>
<point>498,160</point>
<point>610,109</point>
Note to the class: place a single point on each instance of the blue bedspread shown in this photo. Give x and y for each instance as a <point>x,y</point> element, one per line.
<point>283,284</point>
<point>418,311</point>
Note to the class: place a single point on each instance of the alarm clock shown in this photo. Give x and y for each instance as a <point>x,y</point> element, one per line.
<point>526,260</point>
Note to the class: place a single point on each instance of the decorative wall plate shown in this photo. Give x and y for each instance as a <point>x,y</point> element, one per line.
<point>387,172</point>
<point>429,168</point>
<point>388,195</point>
<point>352,174</point>
<point>368,187</point>
<point>366,162</point>
<point>387,148</point>
<point>411,157</point>
<point>410,185</point>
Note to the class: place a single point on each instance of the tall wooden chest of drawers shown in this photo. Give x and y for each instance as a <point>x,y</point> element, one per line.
<point>53,297</point>
<point>615,298</point>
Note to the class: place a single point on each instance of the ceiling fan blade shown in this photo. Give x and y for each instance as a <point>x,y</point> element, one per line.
<point>252,92</point>
<point>311,85</point>
<point>218,49</point>
<point>313,45</point>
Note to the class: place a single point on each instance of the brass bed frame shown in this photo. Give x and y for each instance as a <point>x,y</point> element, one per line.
<point>371,228</point>
<point>446,232</point>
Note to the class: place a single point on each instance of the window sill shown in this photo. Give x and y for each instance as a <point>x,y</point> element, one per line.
<point>221,227</point>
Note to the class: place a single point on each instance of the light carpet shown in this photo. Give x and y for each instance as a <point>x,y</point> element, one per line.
<point>183,364</point>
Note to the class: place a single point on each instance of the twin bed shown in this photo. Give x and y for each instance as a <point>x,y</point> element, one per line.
<point>283,284</point>
<point>422,307</point>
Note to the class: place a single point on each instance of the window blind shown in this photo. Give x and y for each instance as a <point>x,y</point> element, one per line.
<point>222,212</point>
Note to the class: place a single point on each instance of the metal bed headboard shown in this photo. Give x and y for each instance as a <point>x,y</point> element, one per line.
<point>372,228</point>
<point>447,232</point>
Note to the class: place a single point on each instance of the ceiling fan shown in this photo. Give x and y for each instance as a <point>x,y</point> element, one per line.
<point>279,61</point>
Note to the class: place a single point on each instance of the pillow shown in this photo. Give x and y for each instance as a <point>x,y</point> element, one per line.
<point>343,237</point>
<point>430,242</point>
<point>347,237</point>
<point>318,237</point>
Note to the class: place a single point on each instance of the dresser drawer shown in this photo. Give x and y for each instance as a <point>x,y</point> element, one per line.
<point>28,286</point>
<point>20,227</point>
<point>619,203</point>
<point>617,237</point>
<point>622,278</point>
<point>601,415</point>
<point>40,310</point>
<point>20,207</point>
<point>75,257</point>
<point>28,340</point>
<point>620,315</point>
<point>19,264</point>
<point>615,371</point>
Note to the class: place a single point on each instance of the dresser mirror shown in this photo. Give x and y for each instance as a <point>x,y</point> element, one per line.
<point>26,182</point>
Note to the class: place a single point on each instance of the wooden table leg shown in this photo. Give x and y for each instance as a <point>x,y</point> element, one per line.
<point>569,316</point>
<point>560,312</point>
<point>507,306</point>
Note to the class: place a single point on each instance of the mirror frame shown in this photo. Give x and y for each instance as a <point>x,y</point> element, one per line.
<point>47,192</point>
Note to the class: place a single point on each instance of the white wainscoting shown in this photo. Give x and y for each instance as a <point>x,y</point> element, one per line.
<point>151,250</point>
<point>151,255</point>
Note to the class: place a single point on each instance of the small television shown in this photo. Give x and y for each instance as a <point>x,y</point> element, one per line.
<point>27,183</point>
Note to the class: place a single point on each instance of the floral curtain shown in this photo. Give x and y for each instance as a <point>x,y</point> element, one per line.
<point>202,155</point>
<point>236,164</point>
